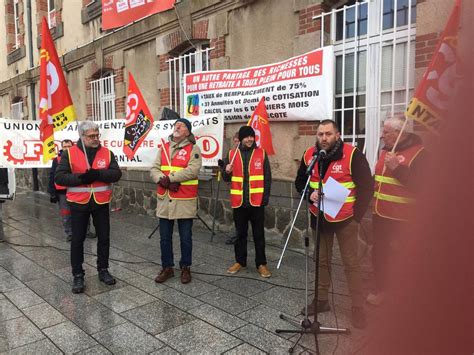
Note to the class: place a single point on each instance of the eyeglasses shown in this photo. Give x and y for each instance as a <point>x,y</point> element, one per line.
<point>93,136</point>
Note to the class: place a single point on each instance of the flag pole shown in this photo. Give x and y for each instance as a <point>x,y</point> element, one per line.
<point>164,150</point>
<point>396,142</point>
<point>235,153</point>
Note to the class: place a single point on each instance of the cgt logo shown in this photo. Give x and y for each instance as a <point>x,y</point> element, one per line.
<point>209,146</point>
<point>19,151</point>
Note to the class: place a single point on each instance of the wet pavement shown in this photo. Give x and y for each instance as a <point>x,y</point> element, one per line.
<point>215,313</point>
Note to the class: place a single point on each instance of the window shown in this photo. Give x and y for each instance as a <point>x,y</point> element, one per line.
<point>374,48</point>
<point>17,109</point>
<point>16,15</point>
<point>189,61</point>
<point>51,14</point>
<point>103,98</point>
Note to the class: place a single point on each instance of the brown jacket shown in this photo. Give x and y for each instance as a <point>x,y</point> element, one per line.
<point>177,209</point>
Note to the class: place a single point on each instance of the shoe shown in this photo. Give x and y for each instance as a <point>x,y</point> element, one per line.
<point>323,306</point>
<point>78,283</point>
<point>235,268</point>
<point>375,299</point>
<point>264,272</point>
<point>164,274</point>
<point>358,317</point>
<point>106,278</point>
<point>185,275</point>
<point>69,238</point>
<point>231,240</point>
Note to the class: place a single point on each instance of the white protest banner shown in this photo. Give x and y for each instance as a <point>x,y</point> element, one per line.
<point>22,147</point>
<point>300,88</point>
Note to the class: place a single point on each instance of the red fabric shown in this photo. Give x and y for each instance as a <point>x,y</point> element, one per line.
<point>117,13</point>
<point>388,209</point>
<point>339,170</point>
<point>180,160</point>
<point>255,168</point>
<point>259,122</point>
<point>139,119</point>
<point>55,104</point>
<point>436,88</point>
<point>78,163</point>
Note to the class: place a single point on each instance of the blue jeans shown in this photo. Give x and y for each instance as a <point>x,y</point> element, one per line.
<point>185,227</point>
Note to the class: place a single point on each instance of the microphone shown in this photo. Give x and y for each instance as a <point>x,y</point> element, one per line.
<point>322,154</point>
<point>318,155</point>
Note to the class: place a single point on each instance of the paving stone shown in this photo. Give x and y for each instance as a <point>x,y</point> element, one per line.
<point>166,351</point>
<point>46,286</point>
<point>179,299</point>
<point>9,283</point>
<point>287,300</point>
<point>228,301</point>
<point>147,284</point>
<point>264,340</point>
<point>218,318</point>
<point>94,287</point>
<point>69,338</point>
<point>245,349</point>
<point>96,350</point>
<point>44,315</point>
<point>157,317</point>
<point>267,318</point>
<point>243,286</point>
<point>198,337</point>
<point>8,310</point>
<point>194,289</point>
<point>23,297</point>
<point>125,298</point>
<point>128,338</point>
<point>17,332</point>
<point>44,346</point>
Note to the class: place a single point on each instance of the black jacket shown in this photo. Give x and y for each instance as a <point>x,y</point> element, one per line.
<point>4,181</point>
<point>361,175</point>
<point>51,187</point>
<point>267,175</point>
<point>65,177</point>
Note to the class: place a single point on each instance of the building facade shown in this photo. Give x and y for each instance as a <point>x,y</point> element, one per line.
<point>381,47</point>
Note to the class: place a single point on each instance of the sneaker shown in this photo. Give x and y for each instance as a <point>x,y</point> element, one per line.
<point>375,299</point>
<point>235,268</point>
<point>185,275</point>
<point>78,283</point>
<point>264,272</point>
<point>106,278</point>
<point>231,240</point>
<point>323,306</point>
<point>164,274</point>
<point>358,317</point>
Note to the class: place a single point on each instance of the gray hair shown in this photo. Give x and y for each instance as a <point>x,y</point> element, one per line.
<point>85,126</point>
<point>396,121</point>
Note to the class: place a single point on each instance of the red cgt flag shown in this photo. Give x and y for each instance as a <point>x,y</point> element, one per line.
<point>55,104</point>
<point>436,88</point>
<point>259,122</point>
<point>139,120</point>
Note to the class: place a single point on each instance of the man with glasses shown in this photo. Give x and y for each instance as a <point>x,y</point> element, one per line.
<point>88,170</point>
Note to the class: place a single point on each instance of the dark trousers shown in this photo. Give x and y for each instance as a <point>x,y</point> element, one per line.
<point>185,227</point>
<point>256,217</point>
<point>388,234</point>
<point>101,220</point>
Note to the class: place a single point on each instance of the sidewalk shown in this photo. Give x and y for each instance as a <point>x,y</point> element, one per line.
<point>215,313</point>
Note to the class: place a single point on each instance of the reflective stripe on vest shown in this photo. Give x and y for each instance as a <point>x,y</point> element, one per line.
<point>100,191</point>
<point>339,170</point>
<point>392,199</point>
<point>256,178</point>
<point>187,190</point>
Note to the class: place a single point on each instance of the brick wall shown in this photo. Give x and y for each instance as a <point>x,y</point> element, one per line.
<point>10,24</point>
<point>306,24</point>
<point>119,75</point>
<point>219,47</point>
<point>200,29</point>
<point>425,46</point>
<point>163,64</point>
<point>307,128</point>
<point>120,105</point>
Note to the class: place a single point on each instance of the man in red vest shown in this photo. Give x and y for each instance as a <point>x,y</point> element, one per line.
<point>395,183</point>
<point>248,169</point>
<point>88,171</point>
<point>175,172</point>
<point>349,167</point>
<point>57,192</point>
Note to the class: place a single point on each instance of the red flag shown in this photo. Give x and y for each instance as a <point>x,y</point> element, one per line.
<point>55,106</point>
<point>139,120</point>
<point>437,86</point>
<point>116,13</point>
<point>259,122</point>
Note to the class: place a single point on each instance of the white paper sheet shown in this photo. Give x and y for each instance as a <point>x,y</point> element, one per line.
<point>334,197</point>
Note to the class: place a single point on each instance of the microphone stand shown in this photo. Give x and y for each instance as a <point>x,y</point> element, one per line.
<point>306,326</point>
